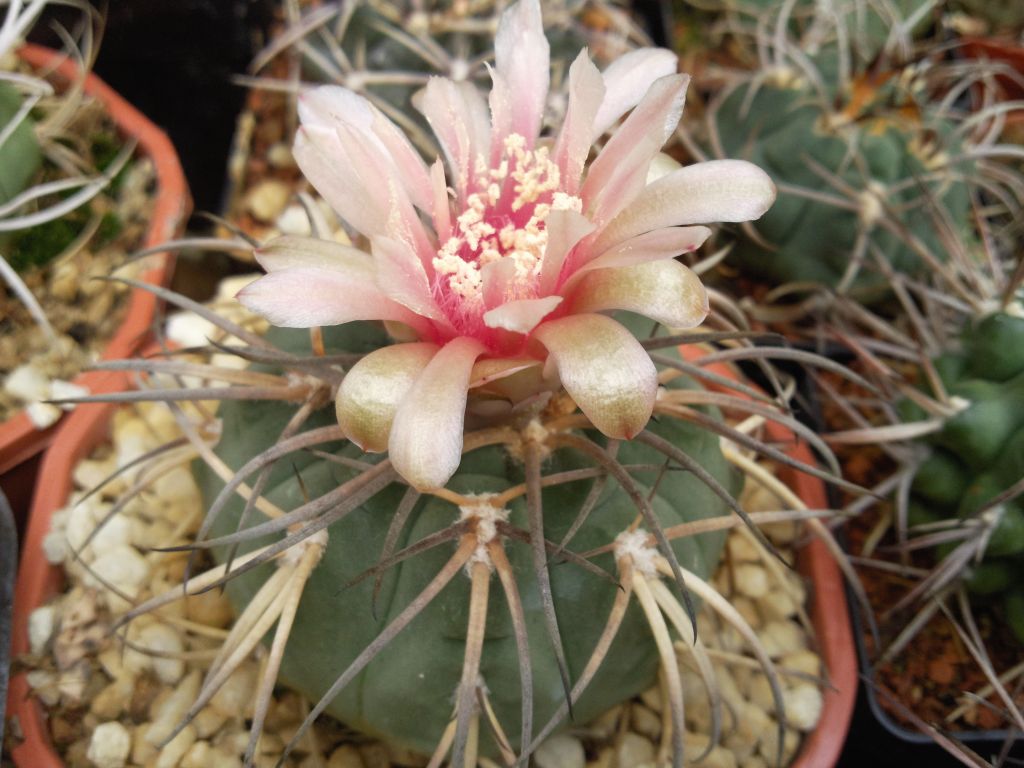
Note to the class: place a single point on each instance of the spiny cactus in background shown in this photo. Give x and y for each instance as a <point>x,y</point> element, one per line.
<point>973,471</point>
<point>515,408</point>
<point>876,167</point>
<point>386,51</point>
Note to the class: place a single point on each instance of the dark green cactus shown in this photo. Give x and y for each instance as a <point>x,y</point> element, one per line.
<point>979,454</point>
<point>405,695</point>
<point>881,158</point>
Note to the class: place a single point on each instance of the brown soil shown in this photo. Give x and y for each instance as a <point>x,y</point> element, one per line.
<point>930,676</point>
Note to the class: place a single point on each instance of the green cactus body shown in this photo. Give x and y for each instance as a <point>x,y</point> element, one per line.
<point>406,694</point>
<point>785,130</point>
<point>980,453</point>
<point>20,158</point>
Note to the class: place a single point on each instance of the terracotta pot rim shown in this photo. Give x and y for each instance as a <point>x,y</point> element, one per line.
<point>87,425</point>
<point>19,438</point>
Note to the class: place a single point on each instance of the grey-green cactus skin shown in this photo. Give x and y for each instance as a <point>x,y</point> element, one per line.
<point>406,695</point>
<point>787,131</point>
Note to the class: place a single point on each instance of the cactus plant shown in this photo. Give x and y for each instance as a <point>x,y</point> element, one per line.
<point>876,168</point>
<point>976,460</point>
<point>515,412</point>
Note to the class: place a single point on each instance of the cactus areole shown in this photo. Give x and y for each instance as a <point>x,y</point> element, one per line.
<point>496,271</point>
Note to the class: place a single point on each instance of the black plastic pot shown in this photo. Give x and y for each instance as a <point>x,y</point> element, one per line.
<point>877,740</point>
<point>8,567</point>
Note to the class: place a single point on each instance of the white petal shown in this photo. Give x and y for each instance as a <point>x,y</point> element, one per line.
<point>458,117</point>
<point>425,445</point>
<point>400,276</point>
<point>372,390</point>
<point>295,251</point>
<point>703,193</point>
<point>619,173</point>
<point>522,65</point>
<point>565,229</point>
<point>329,106</point>
<point>306,297</point>
<point>522,315</point>
<point>665,291</point>
<point>586,90</point>
<point>604,369</point>
<point>627,79</point>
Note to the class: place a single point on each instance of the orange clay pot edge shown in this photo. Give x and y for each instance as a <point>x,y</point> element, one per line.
<point>38,581</point>
<point>19,438</point>
<point>829,612</point>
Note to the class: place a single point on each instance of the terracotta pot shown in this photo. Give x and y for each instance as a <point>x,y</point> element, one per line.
<point>89,425</point>
<point>1011,54</point>
<point>20,441</point>
<point>829,612</point>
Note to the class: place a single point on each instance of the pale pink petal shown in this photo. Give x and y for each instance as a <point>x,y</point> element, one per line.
<point>382,187</point>
<point>522,65</point>
<point>323,161</point>
<point>458,117</point>
<point>374,387</point>
<point>620,171</point>
<point>329,106</point>
<point>666,291</point>
<point>306,297</point>
<point>522,315</point>
<point>425,445</point>
<point>400,276</point>
<point>586,90</point>
<point>442,213</point>
<point>665,243</point>
<point>293,251</point>
<point>565,229</point>
<point>499,278</point>
<point>604,369</point>
<point>627,79</point>
<point>703,193</point>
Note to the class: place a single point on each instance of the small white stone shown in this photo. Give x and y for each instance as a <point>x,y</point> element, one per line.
<point>234,698</point>
<point>170,711</point>
<point>190,330</point>
<point>116,532</point>
<point>202,755</point>
<point>345,756</point>
<point>751,580</point>
<point>634,750</point>
<point>40,628</point>
<point>267,199</point>
<point>27,383</point>
<point>165,643</point>
<point>65,390</point>
<point>121,567</point>
<point>294,221</point>
<point>804,661</point>
<point>43,415</point>
<point>562,751</point>
<point>782,636</point>
<point>280,156</point>
<point>109,746</point>
<point>172,753</point>
<point>803,707</point>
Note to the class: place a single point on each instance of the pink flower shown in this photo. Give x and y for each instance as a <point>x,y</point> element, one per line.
<point>502,266</point>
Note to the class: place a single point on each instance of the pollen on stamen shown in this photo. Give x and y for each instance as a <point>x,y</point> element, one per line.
<point>492,227</point>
